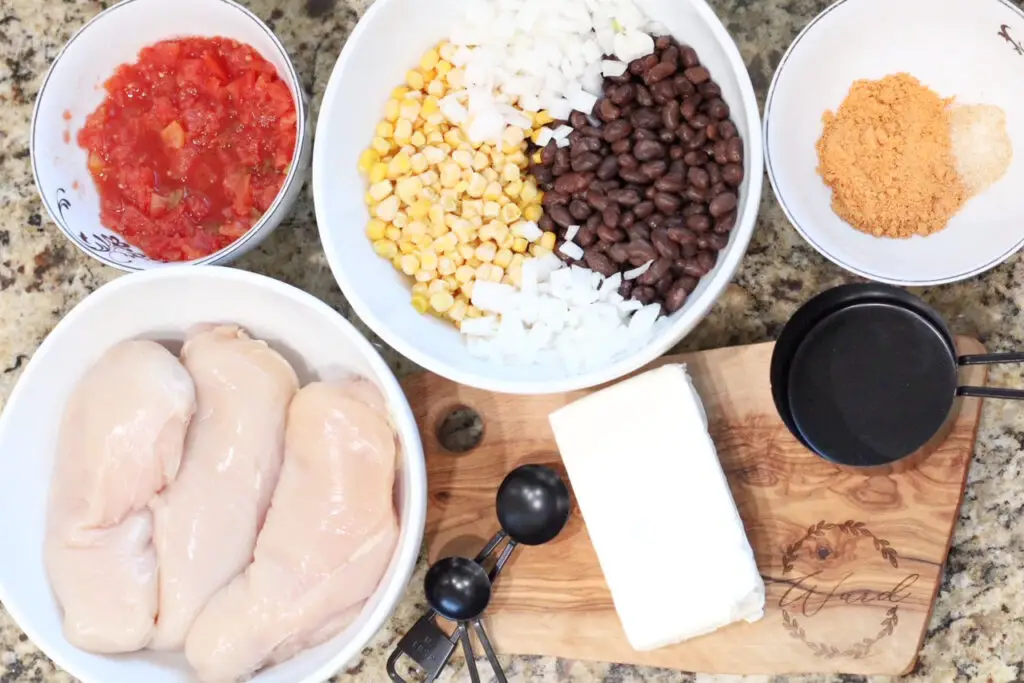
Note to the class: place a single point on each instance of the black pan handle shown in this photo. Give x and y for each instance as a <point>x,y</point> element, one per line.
<point>991,359</point>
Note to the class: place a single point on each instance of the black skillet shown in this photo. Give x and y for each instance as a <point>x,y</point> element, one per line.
<point>868,377</point>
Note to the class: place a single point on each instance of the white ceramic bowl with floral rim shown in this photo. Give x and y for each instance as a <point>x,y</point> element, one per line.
<point>161,305</point>
<point>388,41</point>
<point>73,88</point>
<point>970,49</point>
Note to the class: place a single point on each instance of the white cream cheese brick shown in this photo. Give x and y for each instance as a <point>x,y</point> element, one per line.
<point>658,509</point>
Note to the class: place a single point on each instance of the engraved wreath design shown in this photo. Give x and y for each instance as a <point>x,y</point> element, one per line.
<point>862,649</point>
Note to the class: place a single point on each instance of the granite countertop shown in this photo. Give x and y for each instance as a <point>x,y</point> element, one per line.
<point>976,632</point>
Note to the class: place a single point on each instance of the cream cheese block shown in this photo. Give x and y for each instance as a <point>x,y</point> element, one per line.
<point>658,509</point>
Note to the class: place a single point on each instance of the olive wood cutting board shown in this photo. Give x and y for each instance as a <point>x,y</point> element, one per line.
<point>851,563</point>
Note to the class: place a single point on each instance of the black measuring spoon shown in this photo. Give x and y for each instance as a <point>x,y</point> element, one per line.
<point>868,377</point>
<point>533,507</point>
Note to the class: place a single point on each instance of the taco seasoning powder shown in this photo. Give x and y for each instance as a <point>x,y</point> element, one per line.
<point>888,156</point>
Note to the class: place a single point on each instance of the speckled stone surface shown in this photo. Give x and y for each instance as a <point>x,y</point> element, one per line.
<point>977,633</point>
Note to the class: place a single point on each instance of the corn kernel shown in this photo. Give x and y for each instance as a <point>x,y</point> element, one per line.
<point>399,92</point>
<point>409,110</point>
<point>435,137</point>
<point>385,129</point>
<point>509,173</point>
<point>406,247</point>
<point>530,192</point>
<point>536,157</point>
<point>400,220</point>
<point>428,261</point>
<point>465,231</point>
<point>442,301</point>
<point>519,245</point>
<point>446,266</point>
<point>429,59</point>
<point>417,161</point>
<point>464,274</point>
<point>414,230</point>
<point>547,240</point>
<point>424,242</point>
<point>387,209</point>
<point>477,187</point>
<point>513,136</point>
<point>406,189</point>
<point>492,177</point>
<point>420,288</point>
<point>493,190</point>
<point>378,172</point>
<point>458,310</point>
<point>368,199</point>
<point>414,79</point>
<point>510,213</point>
<point>446,50</point>
<point>399,166</point>
<point>381,145</point>
<point>410,264</point>
<point>518,158</point>
<point>438,285</point>
<point>385,248</point>
<point>443,67</point>
<point>450,174</point>
<point>466,251</point>
<point>492,209</point>
<point>455,78</point>
<point>446,243</point>
<point>433,155</point>
<point>480,161</point>
<point>420,303</point>
<point>514,188</point>
<point>473,312</point>
<point>367,159</point>
<point>403,132</point>
<point>436,89</point>
<point>392,233</point>
<point>503,258</point>
<point>538,251</point>
<point>437,230</point>
<point>542,118</point>
<point>463,158</point>
<point>391,110</point>
<point>375,229</point>
<point>533,212</point>
<point>424,276</point>
<point>487,251</point>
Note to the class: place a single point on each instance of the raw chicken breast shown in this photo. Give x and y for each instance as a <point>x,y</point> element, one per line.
<point>327,541</point>
<point>206,522</point>
<point>120,443</point>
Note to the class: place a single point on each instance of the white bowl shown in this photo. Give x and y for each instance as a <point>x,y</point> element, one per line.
<point>160,305</point>
<point>955,47</point>
<point>74,85</point>
<point>387,42</point>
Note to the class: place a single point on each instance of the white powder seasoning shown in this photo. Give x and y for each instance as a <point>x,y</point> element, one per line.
<point>981,145</point>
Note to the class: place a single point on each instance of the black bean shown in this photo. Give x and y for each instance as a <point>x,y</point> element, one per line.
<point>698,223</point>
<point>648,150</point>
<point>607,110</point>
<point>719,150</point>
<point>594,221</point>
<point>611,215</point>
<point>552,197</point>
<point>587,161</point>
<point>707,260</point>
<point>626,289</point>
<point>591,131</point>
<point>643,209</point>
<point>712,130</point>
<point>665,246</point>
<point>681,235</point>
<point>632,175</point>
<point>584,145</point>
<point>717,189</point>
<point>718,109</point>
<point>663,92</point>
<point>608,169</point>
<point>694,269</point>
<point>716,241</point>
<point>682,86</point>
<point>571,183</point>
<point>627,161</point>
<point>653,170</point>
<point>636,67</point>
<point>547,155</point>
<point>563,162</point>
<point>543,175</point>
<point>644,295</point>
<point>699,140</point>
<point>670,183</point>
<point>622,146</point>
<point>616,130</point>
<point>659,72</point>
<point>675,297</point>
<point>618,253</point>
<point>696,176</point>
<point>670,116</point>
<point>610,235</point>
<point>629,197</point>
<point>727,130</point>
<point>546,223</point>
<point>667,203</point>
<point>701,121</point>
<point>710,90</point>
<point>649,193</point>
<point>622,94</point>
<point>648,62</point>
<point>599,263</point>
<point>734,150</point>
<point>578,119</point>
<point>641,134</point>
<point>696,195</point>
<point>732,174</point>
<point>659,269</point>
<point>697,74</point>
<point>688,56</point>
<point>667,136</point>
<point>694,209</point>
<point>640,231</point>
<point>580,210</point>
<point>598,200</point>
<point>643,96</point>
<point>694,158</point>
<point>688,107</point>
<point>663,42</point>
<point>725,224</point>
<point>714,175</point>
<point>587,236</point>
<point>641,249</point>
<point>627,220</point>
<point>560,215</point>
<point>671,56</point>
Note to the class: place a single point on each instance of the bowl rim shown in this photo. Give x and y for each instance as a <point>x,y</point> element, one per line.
<point>414,511</point>
<point>294,172</point>
<point>862,272</point>
<point>691,316</point>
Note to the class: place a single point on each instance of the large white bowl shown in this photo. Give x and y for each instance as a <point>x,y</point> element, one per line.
<point>74,87</point>
<point>973,49</point>
<point>388,41</point>
<point>160,305</point>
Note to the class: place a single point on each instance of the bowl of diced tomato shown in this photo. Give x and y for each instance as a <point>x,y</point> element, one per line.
<point>170,133</point>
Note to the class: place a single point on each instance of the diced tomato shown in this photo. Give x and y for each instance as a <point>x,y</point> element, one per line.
<point>190,146</point>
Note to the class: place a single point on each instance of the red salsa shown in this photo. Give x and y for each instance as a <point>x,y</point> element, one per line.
<point>191,146</point>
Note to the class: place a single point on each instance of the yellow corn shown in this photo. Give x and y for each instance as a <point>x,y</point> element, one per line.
<point>519,245</point>
<point>442,301</point>
<point>392,233</point>
<point>542,118</point>
<point>503,258</point>
<point>410,264</point>
<point>547,241</point>
<point>391,110</point>
<point>420,303</point>
<point>414,79</point>
<point>385,248</point>
<point>375,229</point>
<point>533,212</point>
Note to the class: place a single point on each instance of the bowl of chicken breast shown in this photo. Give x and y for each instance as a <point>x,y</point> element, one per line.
<point>207,476</point>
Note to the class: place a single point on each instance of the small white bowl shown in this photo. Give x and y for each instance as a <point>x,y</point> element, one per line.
<point>971,49</point>
<point>388,41</point>
<point>161,305</point>
<point>74,85</point>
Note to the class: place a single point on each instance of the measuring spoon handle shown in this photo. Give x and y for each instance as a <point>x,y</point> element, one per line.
<point>499,675</point>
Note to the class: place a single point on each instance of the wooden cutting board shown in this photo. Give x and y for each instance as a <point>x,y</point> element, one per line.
<point>851,563</point>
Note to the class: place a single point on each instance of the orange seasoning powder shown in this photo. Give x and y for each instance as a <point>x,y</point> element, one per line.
<point>888,156</point>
